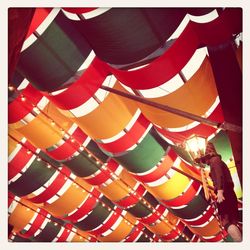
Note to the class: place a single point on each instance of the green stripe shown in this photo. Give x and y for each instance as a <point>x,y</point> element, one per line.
<point>35,177</point>
<point>193,209</point>
<point>98,215</point>
<point>222,145</point>
<point>93,147</point>
<point>82,165</point>
<point>141,210</point>
<point>55,56</point>
<point>144,157</point>
<point>48,233</point>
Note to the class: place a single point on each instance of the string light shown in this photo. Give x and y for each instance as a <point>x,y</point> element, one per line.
<point>72,140</point>
<point>29,152</point>
<point>52,123</point>
<point>11,88</point>
<point>38,159</point>
<point>23,98</point>
<point>89,155</point>
<point>48,166</point>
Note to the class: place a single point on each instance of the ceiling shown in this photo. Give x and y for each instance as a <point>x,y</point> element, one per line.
<point>90,165</point>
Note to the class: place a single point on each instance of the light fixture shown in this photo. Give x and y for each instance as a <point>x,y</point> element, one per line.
<point>196,147</point>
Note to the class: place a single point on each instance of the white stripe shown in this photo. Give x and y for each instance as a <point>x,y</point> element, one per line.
<point>158,182</point>
<point>72,128</point>
<point>109,82</point>
<point>116,224</point>
<point>16,177</point>
<point>28,118</point>
<point>205,223</point>
<point>94,13</point>
<point>87,61</point>
<point>59,234</point>
<point>188,186</point>
<point>70,15</point>
<point>63,189</point>
<point>177,162</point>
<point>165,138</point>
<point>14,152</point>
<point>199,19</point>
<point>165,89</point>
<point>57,92</point>
<point>146,172</point>
<point>139,67</point>
<point>85,108</point>
<point>28,226</point>
<point>70,237</point>
<point>43,26</point>
<point>42,103</point>
<point>139,235</point>
<point>179,207</point>
<point>171,173</point>
<point>13,205</point>
<point>194,63</point>
<point>204,18</point>
<point>180,28</point>
<point>23,84</point>
<point>47,21</point>
<point>30,40</point>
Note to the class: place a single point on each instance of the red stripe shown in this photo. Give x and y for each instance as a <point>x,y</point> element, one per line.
<point>111,221</point>
<point>184,198</point>
<point>40,218</point>
<point>131,199</point>
<point>86,207</point>
<point>54,187</point>
<point>66,233</point>
<point>68,148</point>
<point>129,139</point>
<point>104,175</point>
<point>20,160</point>
<point>83,89</point>
<point>38,18</point>
<point>18,109</point>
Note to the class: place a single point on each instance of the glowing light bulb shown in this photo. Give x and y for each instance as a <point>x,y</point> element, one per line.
<point>23,98</point>
<point>11,88</point>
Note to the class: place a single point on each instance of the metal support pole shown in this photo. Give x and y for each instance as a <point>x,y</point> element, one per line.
<point>225,125</point>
